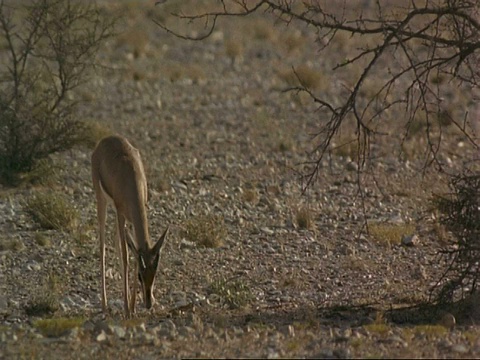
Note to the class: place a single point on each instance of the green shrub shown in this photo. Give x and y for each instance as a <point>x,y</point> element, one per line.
<point>50,51</point>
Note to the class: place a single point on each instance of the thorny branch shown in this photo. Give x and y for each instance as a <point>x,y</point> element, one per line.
<point>447,32</point>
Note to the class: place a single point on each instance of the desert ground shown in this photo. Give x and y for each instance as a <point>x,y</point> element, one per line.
<point>254,266</point>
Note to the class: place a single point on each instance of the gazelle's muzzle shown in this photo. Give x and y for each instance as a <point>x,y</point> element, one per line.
<point>148,297</point>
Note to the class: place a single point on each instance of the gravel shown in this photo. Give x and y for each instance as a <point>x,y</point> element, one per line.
<point>207,142</point>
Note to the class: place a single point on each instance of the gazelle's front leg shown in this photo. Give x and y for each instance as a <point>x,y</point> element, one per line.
<point>124,262</point>
<point>134,289</point>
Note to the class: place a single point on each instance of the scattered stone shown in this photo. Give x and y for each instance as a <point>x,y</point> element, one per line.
<point>185,244</point>
<point>410,240</point>
<point>448,321</point>
<point>118,331</point>
<point>459,348</point>
<point>3,303</point>
<point>288,330</point>
<point>352,166</point>
<point>102,336</point>
<point>267,230</point>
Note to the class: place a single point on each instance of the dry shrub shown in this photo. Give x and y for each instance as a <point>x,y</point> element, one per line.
<point>460,214</point>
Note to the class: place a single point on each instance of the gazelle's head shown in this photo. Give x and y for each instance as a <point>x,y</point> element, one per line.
<point>147,260</point>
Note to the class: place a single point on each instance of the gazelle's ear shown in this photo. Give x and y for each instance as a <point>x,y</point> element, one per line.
<point>130,242</point>
<point>161,242</point>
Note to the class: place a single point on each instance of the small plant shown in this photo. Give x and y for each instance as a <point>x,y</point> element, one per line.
<point>293,41</point>
<point>45,301</point>
<point>262,31</point>
<point>42,239</point>
<point>379,326</point>
<point>207,230</point>
<point>233,48</point>
<point>428,330</point>
<point>58,326</point>
<point>11,244</point>
<point>250,196</point>
<point>304,218</point>
<point>235,293</point>
<point>52,211</point>
<point>303,75</point>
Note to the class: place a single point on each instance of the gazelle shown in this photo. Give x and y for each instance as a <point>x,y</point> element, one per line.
<point>118,175</point>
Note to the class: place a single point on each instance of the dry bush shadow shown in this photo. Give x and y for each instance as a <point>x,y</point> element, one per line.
<point>309,316</point>
<point>350,316</point>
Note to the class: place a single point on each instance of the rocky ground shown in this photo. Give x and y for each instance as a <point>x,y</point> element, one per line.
<point>295,275</point>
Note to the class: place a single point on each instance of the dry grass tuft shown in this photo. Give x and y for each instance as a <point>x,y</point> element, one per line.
<point>45,299</point>
<point>379,325</point>
<point>52,211</point>
<point>304,75</point>
<point>176,72</point>
<point>206,230</point>
<point>58,326</point>
<point>11,244</point>
<point>233,48</point>
<point>304,218</point>
<point>42,239</point>
<point>390,234</point>
<point>250,195</point>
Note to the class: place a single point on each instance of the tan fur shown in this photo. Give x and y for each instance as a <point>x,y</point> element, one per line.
<point>118,175</point>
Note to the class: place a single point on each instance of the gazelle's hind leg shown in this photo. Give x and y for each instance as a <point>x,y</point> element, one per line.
<point>102,214</point>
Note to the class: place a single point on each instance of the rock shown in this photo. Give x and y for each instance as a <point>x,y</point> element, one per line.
<point>3,304</point>
<point>448,321</point>
<point>341,353</point>
<point>118,331</point>
<point>267,230</point>
<point>166,330</point>
<point>288,330</point>
<point>324,354</point>
<point>185,331</point>
<point>459,348</point>
<point>102,336</point>
<point>185,244</point>
<point>352,166</point>
<point>410,240</point>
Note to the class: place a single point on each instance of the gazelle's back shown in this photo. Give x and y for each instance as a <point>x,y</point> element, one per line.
<point>118,169</point>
